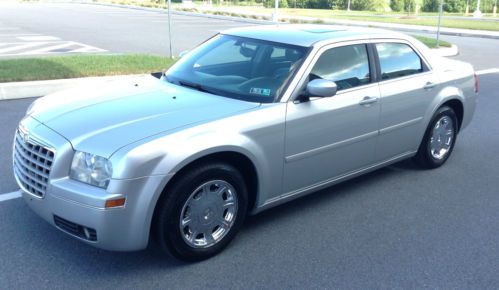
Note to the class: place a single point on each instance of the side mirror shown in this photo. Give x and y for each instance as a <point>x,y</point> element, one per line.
<point>183,53</point>
<point>321,88</point>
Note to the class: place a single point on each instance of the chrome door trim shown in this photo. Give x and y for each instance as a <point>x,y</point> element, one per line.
<point>382,82</point>
<point>400,125</point>
<point>328,182</point>
<point>325,148</point>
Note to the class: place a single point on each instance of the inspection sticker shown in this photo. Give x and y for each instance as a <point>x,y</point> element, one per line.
<point>260,91</point>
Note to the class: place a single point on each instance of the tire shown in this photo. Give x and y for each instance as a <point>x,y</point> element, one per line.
<point>195,219</point>
<point>439,139</point>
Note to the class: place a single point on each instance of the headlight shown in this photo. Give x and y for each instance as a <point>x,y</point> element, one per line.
<point>91,169</point>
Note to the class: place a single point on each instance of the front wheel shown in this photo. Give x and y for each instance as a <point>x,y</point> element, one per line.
<point>439,139</point>
<point>202,212</point>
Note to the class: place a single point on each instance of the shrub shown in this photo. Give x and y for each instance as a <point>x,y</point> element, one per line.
<point>362,5</point>
<point>396,5</point>
<point>271,3</point>
<point>379,5</point>
<point>409,5</point>
<point>431,5</point>
<point>454,6</point>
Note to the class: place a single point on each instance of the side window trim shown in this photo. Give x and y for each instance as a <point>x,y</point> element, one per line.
<point>374,66</point>
<point>424,66</point>
<point>366,61</point>
<point>314,57</point>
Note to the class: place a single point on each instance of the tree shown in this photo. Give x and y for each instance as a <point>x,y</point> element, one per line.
<point>271,3</point>
<point>454,6</point>
<point>362,5</point>
<point>431,5</point>
<point>396,5</point>
<point>409,5</point>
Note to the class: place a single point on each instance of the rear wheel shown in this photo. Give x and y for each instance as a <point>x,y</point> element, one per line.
<point>439,139</point>
<point>202,212</point>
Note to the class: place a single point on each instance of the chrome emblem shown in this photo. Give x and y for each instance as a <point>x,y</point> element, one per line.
<point>23,133</point>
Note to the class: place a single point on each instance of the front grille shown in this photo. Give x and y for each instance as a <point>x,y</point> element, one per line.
<point>32,164</point>
<point>75,229</point>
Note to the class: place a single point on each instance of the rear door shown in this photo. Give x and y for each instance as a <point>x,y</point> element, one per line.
<point>407,86</point>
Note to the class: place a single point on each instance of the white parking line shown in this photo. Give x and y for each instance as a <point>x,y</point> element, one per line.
<point>16,34</point>
<point>19,47</point>
<point>47,47</point>
<point>38,38</point>
<point>487,71</point>
<point>10,195</point>
<point>46,50</point>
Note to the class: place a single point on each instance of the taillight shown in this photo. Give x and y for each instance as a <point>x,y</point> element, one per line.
<point>476,83</point>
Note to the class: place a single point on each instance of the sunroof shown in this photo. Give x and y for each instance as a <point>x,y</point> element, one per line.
<point>321,30</point>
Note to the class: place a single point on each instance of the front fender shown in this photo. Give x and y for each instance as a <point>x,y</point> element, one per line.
<point>261,142</point>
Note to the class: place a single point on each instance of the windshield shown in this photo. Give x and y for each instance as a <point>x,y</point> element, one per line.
<point>237,67</point>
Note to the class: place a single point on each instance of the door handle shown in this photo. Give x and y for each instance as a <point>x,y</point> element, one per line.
<point>366,101</point>
<point>429,86</point>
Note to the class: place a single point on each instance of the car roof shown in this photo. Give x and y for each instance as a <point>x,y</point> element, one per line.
<point>309,34</point>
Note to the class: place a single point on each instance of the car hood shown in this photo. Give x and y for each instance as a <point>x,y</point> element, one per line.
<point>102,119</point>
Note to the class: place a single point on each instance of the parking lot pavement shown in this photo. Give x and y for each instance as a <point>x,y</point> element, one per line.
<point>18,42</point>
<point>90,28</point>
<point>398,227</point>
<point>94,28</point>
<point>11,112</point>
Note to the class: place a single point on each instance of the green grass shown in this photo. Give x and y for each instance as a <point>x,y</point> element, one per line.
<point>431,42</point>
<point>74,66</point>
<point>325,14</point>
<point>450,23</point>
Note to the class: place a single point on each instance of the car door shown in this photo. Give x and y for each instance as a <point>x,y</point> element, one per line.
<point>331,136</point>
<point>407,87</point>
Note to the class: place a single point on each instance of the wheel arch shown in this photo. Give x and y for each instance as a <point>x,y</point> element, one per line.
<point>457,106</point>
<point>448,96</point>
<point>239,160</point>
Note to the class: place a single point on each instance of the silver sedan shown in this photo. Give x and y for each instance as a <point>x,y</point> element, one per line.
<point>250,119</point>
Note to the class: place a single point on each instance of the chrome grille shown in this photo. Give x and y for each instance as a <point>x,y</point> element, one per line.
<point>32,164</point>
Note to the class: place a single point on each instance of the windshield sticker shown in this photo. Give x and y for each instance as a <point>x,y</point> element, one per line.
<point>260,91</point>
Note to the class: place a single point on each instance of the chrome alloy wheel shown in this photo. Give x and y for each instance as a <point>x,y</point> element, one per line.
<point>442,137</point>
<point>208,214</point>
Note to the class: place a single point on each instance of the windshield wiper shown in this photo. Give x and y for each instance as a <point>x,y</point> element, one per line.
<point>195,86</point>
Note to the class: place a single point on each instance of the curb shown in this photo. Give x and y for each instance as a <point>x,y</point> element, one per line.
<point>446,51</point>
<point>164,10</point>
<point>20,90</point>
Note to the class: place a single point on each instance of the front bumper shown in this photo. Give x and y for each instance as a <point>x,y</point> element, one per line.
<point>118,229</point>
<point>79,209</point>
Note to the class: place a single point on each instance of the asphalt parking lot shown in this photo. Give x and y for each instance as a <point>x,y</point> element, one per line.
<point>33,28</point>
<point>28,29</point>
<point>398,227</point>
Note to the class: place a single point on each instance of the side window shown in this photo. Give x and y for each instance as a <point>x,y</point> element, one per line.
<point>397,60</point>
<point>347,66</point>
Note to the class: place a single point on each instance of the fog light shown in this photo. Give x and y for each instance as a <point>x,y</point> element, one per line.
<point>115,202</point>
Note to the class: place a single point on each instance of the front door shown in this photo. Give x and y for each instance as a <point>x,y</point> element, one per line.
<point>331,136</point>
